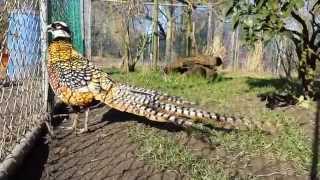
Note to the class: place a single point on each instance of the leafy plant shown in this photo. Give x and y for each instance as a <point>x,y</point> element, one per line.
<point>264,19</point>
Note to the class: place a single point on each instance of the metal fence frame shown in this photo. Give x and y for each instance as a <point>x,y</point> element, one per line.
<point>23,124</point>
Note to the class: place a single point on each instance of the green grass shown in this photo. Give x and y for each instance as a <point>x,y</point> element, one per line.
<point>166,153</point>
<point>229,94</point>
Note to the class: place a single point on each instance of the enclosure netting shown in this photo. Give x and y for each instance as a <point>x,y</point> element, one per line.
<point>69,11</point>
<point>108,35</point>
<point>22,84</point>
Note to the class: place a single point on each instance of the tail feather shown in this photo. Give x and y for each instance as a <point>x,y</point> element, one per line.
<point>155,95</point>
<point>129,105</point>
<point>128,100</point>
<point>197,115</point>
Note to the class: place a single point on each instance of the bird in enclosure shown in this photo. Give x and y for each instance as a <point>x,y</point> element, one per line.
<point>77,82</point>
<point>4,61</point>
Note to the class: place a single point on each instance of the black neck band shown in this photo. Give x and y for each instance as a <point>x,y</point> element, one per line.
<point>62,39</point>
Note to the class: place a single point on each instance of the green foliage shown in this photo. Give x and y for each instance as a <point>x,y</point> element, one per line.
<point>267,16</point>
<point>265,19</point>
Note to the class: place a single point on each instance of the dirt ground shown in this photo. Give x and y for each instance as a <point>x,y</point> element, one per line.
<point>106,152</point>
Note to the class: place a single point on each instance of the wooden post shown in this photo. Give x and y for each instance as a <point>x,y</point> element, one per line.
<point>87,27</point>
<point>44,45</point>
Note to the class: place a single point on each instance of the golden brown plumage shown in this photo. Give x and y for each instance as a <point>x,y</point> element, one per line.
<point>4,61</point>
<point>77,82</point>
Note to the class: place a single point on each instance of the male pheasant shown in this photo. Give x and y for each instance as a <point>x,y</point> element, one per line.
<point>77,82</point>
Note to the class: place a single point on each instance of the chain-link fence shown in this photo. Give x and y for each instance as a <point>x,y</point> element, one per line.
<point>115,26</point>
<point>108,32</point>
<point>22,78</point>
<point>212,33</point>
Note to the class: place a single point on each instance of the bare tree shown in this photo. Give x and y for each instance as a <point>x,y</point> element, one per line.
<point>132,51</point>
<point>169,35</point>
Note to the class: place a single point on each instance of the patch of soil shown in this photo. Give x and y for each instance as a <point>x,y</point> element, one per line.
<point>106,152</point>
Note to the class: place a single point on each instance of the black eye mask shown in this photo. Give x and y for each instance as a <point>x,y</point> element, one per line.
<point>59,26</point>
<point>66,29</point>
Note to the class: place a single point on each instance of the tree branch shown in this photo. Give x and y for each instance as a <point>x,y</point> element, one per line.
<point>305,32</point>
<point>162,31</point>
<point>145,41</point>
<point>292,31</point>
<point>315,27</point>
<point>315,4</point>
<point>317,45</point>
<point>164,14</point>
<point>188,3</point>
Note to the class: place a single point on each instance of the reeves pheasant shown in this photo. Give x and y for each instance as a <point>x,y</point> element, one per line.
<point>77,82</point>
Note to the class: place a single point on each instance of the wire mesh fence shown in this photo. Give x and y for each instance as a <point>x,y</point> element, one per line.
<point>22,78</point>
<point>212,33</point>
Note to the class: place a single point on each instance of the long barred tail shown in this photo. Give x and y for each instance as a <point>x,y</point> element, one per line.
<point>126,98</point>
<point>155,95</point>
<point>129,105</point>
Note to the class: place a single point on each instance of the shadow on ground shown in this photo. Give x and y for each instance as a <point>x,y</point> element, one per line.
<point>33,165</point>
<point>277,83</point>
<point>284,95</point>
<point>115,116</point>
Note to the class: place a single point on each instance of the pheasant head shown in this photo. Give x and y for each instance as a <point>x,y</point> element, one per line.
<point>60,49</point>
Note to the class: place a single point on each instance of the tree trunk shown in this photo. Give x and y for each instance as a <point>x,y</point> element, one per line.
<point>306,70</point>
<point>235,49</point>
<point>217,42</point>
<point>169,38</point>
<point>131,67</point>
<point>189,33</point>
<point>194,51</point>
<point>155,35</point>
<point>100,51</point>
<point>255,57</point>
<point>209,32</point>
<point>126,63</point>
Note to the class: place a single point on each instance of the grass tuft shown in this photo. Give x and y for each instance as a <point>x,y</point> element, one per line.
<point>166,153</point>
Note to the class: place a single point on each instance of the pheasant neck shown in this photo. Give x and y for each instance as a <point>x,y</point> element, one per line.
<point>60,50</point>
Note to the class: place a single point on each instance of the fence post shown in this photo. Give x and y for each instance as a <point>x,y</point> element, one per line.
<point>44,45</point>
